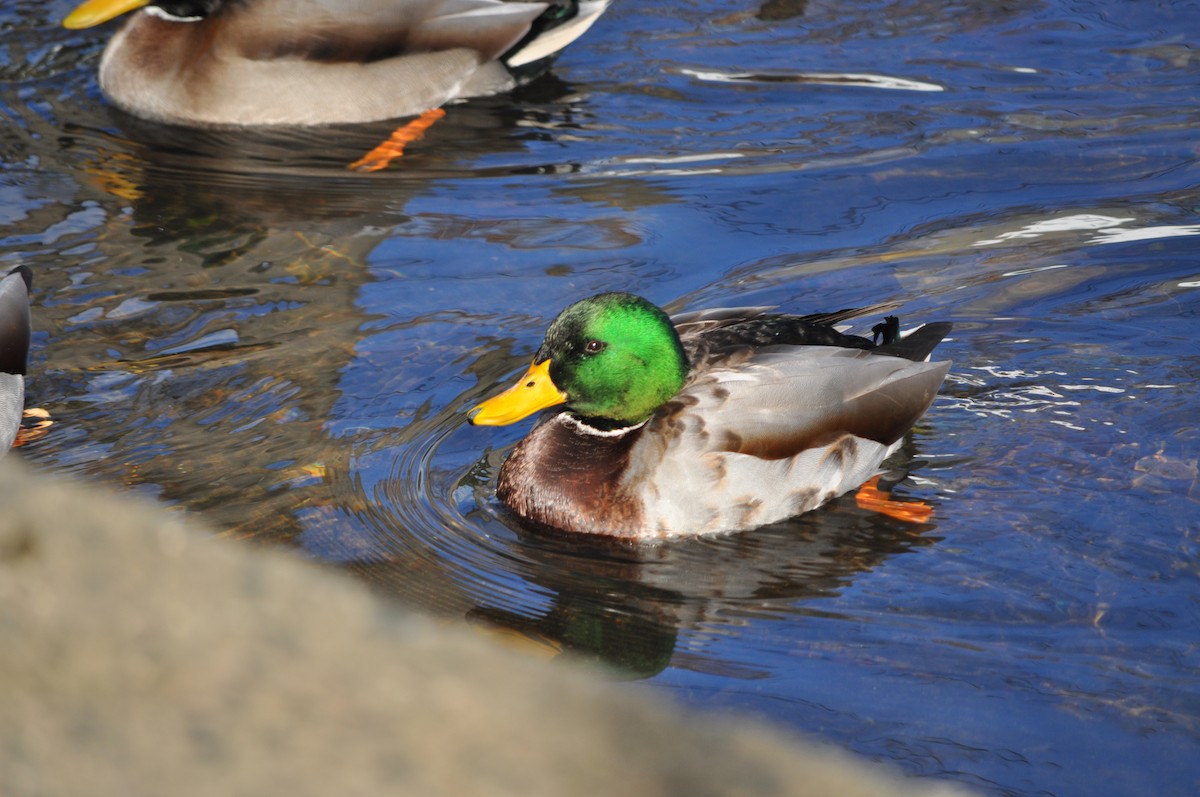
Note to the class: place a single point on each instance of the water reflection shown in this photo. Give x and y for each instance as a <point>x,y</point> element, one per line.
<point>627,605</point>
<point>641,602</point>
<point>215,292</point>
<point>210,315</point>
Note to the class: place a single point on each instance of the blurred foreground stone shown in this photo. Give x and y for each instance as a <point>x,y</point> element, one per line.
<point>139,656</point>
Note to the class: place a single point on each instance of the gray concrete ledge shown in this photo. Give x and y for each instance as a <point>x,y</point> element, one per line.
<point>141,655</point>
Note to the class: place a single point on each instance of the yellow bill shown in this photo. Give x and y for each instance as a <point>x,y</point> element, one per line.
<point>534,391</point>
<point>96,12</point>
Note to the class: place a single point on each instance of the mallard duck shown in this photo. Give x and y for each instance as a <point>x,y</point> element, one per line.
<point>307,62</point>
<point>14,351</point>
<point>714,421</point>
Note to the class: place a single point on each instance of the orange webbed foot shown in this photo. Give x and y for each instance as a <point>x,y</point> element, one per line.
<point>35,424</point>
<point>393,148</point>
<point>871,498</point>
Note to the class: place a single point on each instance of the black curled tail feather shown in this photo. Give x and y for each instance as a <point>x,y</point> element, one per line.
<point>918,345</point>
<point>888,329</point>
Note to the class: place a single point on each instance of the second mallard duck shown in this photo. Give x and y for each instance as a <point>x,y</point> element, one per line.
<point>706,422</point>
<point>15,333</point>
<point>305,62</point>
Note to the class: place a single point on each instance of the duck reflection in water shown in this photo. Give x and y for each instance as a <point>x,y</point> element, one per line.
<point>639,607</point>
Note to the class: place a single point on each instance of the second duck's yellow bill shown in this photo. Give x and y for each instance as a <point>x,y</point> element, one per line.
<point>96,12</point>
<point>534,391</point>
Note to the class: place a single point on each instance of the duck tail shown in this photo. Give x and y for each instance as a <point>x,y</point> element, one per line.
<point>562,23</point>
<point>918,344</point>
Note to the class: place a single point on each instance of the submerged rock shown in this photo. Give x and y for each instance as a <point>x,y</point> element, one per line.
<point>141,655</point>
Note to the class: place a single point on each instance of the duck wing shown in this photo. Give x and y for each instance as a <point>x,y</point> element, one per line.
<point>733,337</point>
<point>787,399</point>
<point>323,31</point>
<point>697,322</point>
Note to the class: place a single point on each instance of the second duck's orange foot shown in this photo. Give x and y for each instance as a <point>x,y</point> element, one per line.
<point>35,425</point>
<point>393,148</point>
<point>870,497</point>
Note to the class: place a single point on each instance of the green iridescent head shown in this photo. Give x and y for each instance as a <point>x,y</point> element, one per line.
<point>613,359</point>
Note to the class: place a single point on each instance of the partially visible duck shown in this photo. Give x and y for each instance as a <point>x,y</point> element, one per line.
<point>15,332</point>
<point>706,422</point>
<point>307,62</point>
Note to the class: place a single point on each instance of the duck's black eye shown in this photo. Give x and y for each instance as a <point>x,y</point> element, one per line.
<point>595,346</point>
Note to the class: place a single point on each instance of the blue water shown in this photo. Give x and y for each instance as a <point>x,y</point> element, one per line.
<point>233,324</point>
